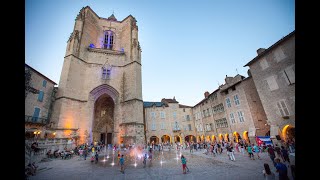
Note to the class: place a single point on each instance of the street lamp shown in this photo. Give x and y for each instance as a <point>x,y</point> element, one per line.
<point>37,133</point>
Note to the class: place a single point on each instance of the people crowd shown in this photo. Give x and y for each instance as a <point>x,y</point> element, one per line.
<point>279,154</point>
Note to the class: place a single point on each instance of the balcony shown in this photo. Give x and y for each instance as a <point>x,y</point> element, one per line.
<point>36,120</point>
<point>176,130</point>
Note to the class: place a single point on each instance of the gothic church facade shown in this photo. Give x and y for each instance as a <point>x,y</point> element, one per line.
<point>99,98</point>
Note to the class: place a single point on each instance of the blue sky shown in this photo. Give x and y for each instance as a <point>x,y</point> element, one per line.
<point>188,47</point>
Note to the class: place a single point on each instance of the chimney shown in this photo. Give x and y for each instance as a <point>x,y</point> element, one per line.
<point>260,50</point>
<point>206,94</point>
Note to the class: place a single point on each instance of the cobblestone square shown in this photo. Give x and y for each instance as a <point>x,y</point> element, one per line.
<point>201,166</point>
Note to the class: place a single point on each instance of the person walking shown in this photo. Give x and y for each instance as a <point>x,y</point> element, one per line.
<point>145,160</point>
<point>191,148</point>
<point>281,169</point>
<point>249,149</point>
<point>184,164</point>
<point>97,157</point>
<point>256,150</point>
<point>85,153</point>
<point>271,154</point>
<point>230,153</point>
<point>267,172</point>
<point>122,164</point>
<point>285,154</point>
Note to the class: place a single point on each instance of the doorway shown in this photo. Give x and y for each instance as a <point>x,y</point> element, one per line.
<point>109,138</point>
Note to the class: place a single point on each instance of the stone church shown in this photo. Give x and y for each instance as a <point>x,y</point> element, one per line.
<point>99,98</point>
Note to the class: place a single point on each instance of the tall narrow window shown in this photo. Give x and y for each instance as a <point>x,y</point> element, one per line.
<point>36,114</point>
<point>240,115</point>
<point>44,83</point>
<point>232,118</point>
<point>162,115</point>
<point>108,40</point>
<point>189,127</point>
<point>153,115</point>
<point>40,96</point>
<point>153,126</point>
<point>104,73</point>
<point>236,100</point>
<point>163,125</point>
<point>174,115</point>
<point>228,102</point>
<point>108,73</point>
<point>289,75</point>
<point>283,108</point>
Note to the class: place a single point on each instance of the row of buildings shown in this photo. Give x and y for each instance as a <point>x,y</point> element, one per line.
<point>99,97</point>
<point>262,104</point>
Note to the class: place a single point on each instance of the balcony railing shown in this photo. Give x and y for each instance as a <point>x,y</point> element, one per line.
<point>176,130</point>
<point>37,120</point>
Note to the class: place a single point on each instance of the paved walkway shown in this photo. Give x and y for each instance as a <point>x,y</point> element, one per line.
<point>201,167</point>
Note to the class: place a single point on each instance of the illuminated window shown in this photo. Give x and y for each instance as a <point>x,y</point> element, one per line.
<point>104,73</point>
<point>108,40</point>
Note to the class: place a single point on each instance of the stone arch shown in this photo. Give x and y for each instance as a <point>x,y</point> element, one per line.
<point>208,138</point>
<point>154,140</point>
<point>226,137</point>
<point>103,98</point>
<point>220,137</point>
<point>202,138</point>
<point>236,136</point>
<point>177,138</point>
<point>190,138</point>
<point>166,138</point>
<point>246,137</point>
<point>213,138</point>
<point>198,138</point>
<point>288,132</point>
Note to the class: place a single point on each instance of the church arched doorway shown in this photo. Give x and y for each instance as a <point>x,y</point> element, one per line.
<point>103,122</point>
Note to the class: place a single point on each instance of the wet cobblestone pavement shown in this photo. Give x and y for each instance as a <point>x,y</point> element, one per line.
<point>201,166</point>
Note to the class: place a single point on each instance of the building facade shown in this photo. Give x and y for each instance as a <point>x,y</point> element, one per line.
<point>231,112</point>
<point>168,122</point>
<point>244,112</point>
<point>100,93</point>
<point>273,72</point>
<point>39,95</point>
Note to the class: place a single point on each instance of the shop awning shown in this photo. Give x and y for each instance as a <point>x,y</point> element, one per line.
<point>263,139</point>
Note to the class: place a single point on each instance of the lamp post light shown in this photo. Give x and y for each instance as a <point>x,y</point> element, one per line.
<point>37,134</point>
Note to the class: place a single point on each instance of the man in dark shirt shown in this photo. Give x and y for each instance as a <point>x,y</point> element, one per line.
<point>271,154</point>
<point>282,170</point>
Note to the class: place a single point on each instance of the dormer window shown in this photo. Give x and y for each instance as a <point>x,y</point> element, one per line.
<point>108,40</point>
